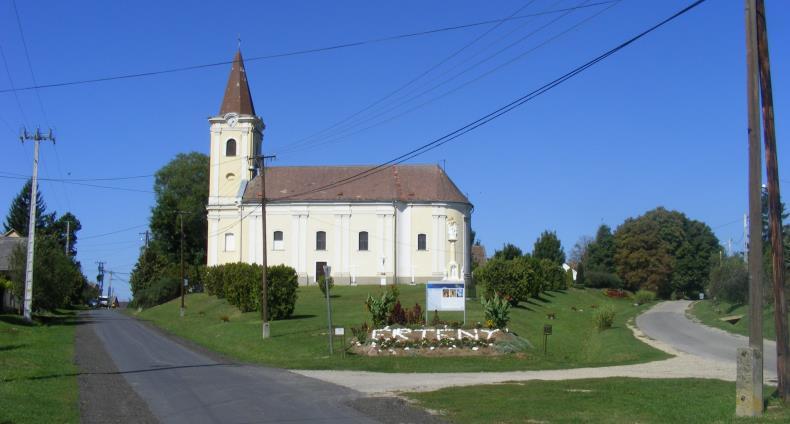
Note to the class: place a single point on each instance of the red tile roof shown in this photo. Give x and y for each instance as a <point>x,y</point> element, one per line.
<point>237,94</point>
<point>405,183</point>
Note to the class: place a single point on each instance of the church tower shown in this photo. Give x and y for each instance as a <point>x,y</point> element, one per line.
<point>236,137</point>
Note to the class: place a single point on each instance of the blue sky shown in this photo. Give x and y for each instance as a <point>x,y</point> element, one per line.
<point>660,123</point>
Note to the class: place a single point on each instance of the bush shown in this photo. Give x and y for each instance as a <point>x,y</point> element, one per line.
<point>322,284</point>
<point>644,296</point>
<point>497,311</point>
<point>515,280</point>
<point>240,284</point>
<point>599,279</point>
<point>552,275</point>
<point>361,333</point>
<point>160,291</point>
<point>414,316</point>
<point>604,318</point>
<point>729,281</point>
<point>379,307</point>
<point>397,315</point>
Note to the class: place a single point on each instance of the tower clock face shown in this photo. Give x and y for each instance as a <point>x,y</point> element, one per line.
<point>232,119</point>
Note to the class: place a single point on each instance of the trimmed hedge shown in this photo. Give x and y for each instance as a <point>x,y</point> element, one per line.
<point>240,284</point>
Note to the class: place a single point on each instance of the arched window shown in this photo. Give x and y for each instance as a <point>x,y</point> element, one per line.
<point>230,242</point>
<point>278,241</point>
<point>320,240</point>
<point>363,240</point>
<point>422,242</point>
<point>230,148</point>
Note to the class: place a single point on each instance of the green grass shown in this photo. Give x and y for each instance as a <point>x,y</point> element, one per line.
<point>611,400</point>
<point>38,379</point>
<point>301,342</point>
<point>709,313</point>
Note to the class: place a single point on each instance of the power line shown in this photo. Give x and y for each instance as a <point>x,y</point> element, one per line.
<point>113,232</point>
<point>344,133</point>
<point>136,190</point>
<point>286,54</point>
<point>496,113</point>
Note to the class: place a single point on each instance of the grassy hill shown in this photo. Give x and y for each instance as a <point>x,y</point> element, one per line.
<point>709,313</point>
<point>301,341</point>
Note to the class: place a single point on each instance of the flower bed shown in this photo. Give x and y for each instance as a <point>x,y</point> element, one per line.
<point>431,342</point>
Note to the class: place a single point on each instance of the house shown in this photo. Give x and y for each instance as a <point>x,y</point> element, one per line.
<point>401,224</point>
<point>9,242</point>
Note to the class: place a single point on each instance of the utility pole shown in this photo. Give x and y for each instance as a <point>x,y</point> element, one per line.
<point>774,206</point>
<point>68,236</point>
<point>100,277</point>
<point>147,237</point>
<point>109,291</point>
<point>36,137</point>
<point>183,281</point>
<point>261,162</point>
<point>749,381</point>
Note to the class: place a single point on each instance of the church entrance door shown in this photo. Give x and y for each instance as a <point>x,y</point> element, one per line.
<point>319,270</point>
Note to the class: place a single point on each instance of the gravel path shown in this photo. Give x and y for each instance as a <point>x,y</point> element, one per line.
<point>683,365</point>
<point>105,396</point>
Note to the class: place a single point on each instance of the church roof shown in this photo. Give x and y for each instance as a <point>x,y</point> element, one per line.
<point>403,183</point>
<point>237,94</point>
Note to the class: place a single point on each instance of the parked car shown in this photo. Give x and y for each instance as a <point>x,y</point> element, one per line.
<point>93,303</point>
<point>104,301</point>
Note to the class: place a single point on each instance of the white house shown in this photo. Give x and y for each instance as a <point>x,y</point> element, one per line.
<point>406,223</point>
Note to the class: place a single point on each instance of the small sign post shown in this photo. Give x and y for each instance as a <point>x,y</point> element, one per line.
<point>546,333</point>
<point>340,331</point>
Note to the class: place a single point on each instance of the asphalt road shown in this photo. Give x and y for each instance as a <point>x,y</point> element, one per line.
<point>667,322</point>
<point>180,385</point>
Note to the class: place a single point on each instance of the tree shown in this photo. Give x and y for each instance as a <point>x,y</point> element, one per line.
<point>548,246</point>
<point>579,252</point>
<point>18,217</point>
<point>600,253</point>
<point>765,217</point>
<point>57,280</point>
<point>151,266</point>
<point>664,252</point>
<point>509,251</point>
<point>729,280</point>
<point>59,228</point>
<point>182,186</point>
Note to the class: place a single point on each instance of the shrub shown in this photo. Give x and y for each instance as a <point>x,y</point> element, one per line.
<point>322,284</point>
<point>729,281</point>
<point>361,332</point>
<point>497,310</point>
<point>602,280</point>
<point>552,275</point>
<point>414,316</point>
<point>515,280</point>
<point>568,279</point>
<point>644,296</point>
<point>379,307</point>
<point>160,291</point>
<point>240,284</point>
<point>604,318</point>
<point>397,315</point>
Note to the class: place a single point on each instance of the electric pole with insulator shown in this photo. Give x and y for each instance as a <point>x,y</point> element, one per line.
<point>36,138</point>
<point>260,161</point>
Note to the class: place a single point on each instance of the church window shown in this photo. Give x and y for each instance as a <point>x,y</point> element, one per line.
<point>230,148</point>
<point>230,242</point>
<point>320,240</point>
<point>278,241</point>
<point>363,240</point>
<point>422,242</point>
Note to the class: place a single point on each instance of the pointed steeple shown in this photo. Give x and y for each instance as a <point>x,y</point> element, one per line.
<point>237,94</point>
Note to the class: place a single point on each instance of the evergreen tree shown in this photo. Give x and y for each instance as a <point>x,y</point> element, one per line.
<point>18,216</point>
<point>548,246</point>
<point>509,251</point>
<point>600,253</point>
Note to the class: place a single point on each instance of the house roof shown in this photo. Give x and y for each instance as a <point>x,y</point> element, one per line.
<point>404,183</point>
<point>237,93</point>
<point>7,246</point>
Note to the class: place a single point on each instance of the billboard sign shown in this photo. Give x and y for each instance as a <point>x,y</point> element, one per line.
<point>443,296</point>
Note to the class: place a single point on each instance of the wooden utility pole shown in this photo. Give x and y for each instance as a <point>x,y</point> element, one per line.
<point>36,137</point>
<point>749,382</point>
<point>774,207</point>
<point>68,236</point>
<point>183,281</point>
<point>264,281</point>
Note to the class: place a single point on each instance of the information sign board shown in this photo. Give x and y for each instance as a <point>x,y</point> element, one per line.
<point>443,296</point>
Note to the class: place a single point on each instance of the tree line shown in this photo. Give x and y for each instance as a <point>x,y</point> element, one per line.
<point>58,280</point>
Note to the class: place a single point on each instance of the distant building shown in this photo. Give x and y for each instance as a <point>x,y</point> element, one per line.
<point>9,242</point>
<point>405,223</point>
<point>479,257</point>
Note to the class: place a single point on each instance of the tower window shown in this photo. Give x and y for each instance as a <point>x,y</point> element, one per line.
<point>278,241</point>
<point>230,148</point>
<point>230,242</point>
<point>421,242</point>
<point>320,240</point>
<point>363,240</point>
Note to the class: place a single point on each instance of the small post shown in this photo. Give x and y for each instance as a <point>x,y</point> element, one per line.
<point>327,270</point>
<point>181,215</point>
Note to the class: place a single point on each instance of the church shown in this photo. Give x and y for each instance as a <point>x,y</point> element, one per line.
<point>399,225</point>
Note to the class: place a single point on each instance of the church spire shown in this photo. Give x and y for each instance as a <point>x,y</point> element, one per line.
<point>237,94</point>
